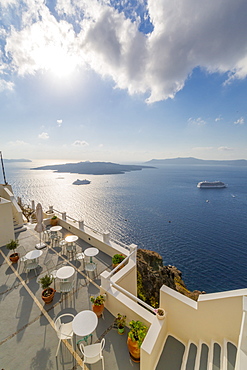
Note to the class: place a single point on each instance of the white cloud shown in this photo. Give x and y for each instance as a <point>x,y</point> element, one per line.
<point>17,143</point>
<point>6,85</point>
<point>224,148</point>
<point>202,148</point>
<point>239,121</point>
<point>218,119</point>
<point>80,143</point>
<point>44,136</point>
<point>157,64</point>
<point>59,122</point>
<point>197,121</point>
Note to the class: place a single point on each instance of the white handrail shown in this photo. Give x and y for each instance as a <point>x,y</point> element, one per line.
<point>134,298</point>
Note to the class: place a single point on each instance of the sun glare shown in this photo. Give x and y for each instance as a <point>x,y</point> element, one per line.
<point>58,62</point>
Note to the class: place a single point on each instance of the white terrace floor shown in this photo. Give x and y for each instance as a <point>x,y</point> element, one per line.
<point>27,336</point>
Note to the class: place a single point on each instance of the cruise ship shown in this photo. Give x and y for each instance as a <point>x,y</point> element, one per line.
<point>211,185</point>
<point>206,334</point>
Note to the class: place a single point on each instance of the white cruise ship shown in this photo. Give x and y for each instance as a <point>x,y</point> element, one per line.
<point>211,185</point>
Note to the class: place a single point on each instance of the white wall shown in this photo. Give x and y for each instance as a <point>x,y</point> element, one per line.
<point>215,316</point>
<point>6,222</point>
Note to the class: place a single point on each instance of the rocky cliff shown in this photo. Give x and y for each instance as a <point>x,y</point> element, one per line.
<point>152,274</point>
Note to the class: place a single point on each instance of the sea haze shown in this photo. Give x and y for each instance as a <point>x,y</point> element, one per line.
<point>201,231</point>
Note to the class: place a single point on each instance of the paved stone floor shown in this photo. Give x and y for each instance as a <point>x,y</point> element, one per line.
<point>27,336</point>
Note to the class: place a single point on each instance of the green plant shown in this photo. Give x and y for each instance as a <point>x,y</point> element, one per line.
<point>117,258</point>
<point>160,311</point>
<point>54,217</point>
<point>98,301</point>
<point>12,245</point>
<point>46,281</point>
<point>137,331</point>
<point>120,321</point>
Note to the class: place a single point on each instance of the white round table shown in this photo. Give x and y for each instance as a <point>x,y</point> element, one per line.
<point>84,323</point>
<point>91,252</point>
<point>71,238</point>
<point>65,272</point>
<point>56,228</point>
<point>32,255</point>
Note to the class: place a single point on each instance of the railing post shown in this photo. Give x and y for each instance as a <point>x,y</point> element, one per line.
<point>105,280</point>
<point>106,237</point>
<point>81,225</point>
<point>33,205</point>
<point>133,248</point>
<point>64,216</point>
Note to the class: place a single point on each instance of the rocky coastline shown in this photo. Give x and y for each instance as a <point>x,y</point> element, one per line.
<point>152,274</point>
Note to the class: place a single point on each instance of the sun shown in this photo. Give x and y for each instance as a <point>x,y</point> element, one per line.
<point>57,61</point>
<point>62,64</point>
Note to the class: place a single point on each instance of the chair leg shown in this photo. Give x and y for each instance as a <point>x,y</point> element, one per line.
<point>103,367</point>
<point>58,346</point>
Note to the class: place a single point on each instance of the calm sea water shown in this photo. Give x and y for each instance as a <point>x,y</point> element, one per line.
<point>202,232</point>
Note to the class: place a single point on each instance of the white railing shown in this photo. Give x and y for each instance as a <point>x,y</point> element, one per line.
<point>134,298</point>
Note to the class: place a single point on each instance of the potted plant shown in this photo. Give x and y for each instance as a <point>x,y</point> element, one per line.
<point>54,220</point>
<point>48,292</point>
<point>120,321</point>
<point>12,245</point>
<point>136,336</point>
<point>98,304</point>
<point>117,259</point>
<point>160,313</point>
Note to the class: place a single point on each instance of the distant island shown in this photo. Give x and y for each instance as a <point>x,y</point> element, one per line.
<point>93,168</point>
<point>191,160</point>
<point>16,160</point>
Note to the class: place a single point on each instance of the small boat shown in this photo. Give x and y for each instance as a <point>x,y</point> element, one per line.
<point>211,185</point>
<point>81,182</point>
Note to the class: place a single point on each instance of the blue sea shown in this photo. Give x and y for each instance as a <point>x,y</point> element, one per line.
<point>201,231</point>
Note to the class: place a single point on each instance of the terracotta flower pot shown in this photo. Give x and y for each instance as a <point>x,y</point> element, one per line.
<point>48,298</point>
<point>98,309</point>
<point>14,257</point>
<point>134,350</point>
<point>54,221</point>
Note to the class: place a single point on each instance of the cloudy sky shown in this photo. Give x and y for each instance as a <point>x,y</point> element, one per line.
<point>119,80</point>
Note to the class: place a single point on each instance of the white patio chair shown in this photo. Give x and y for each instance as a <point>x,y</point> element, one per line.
<point>70,249</point>
<point>92,353</point>
<point>54,238</point>
<point>46,235</point>
<point>22,253</point>
<point>63,244</point>
<point>91,268</point>
<point>32,265</point>
<point>81,258</point>
<point>64,329</point>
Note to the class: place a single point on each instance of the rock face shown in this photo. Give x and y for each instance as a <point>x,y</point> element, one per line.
<point>152,274</point>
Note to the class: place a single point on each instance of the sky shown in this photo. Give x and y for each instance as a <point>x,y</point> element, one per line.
<point>123,81</point>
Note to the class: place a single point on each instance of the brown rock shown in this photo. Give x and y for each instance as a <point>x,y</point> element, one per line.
<point>152,274</point>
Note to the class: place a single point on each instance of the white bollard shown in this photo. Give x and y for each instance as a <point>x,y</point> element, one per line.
<point>106,237</point>
<point>81,225</point>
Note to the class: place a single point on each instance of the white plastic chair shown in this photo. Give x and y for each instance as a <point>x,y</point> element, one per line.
<point>22,253</point>
<point>64,330</point>
<point>91,268</point>
<point>81,258</point>
<point>46,235</point>
<point>92,353</point>
<point>71,249</point>
<point>32,265</point>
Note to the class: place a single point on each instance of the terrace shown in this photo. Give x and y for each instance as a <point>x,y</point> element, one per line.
<point>208,334</point>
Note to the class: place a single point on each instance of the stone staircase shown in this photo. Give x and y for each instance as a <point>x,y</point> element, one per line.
<point>213,357</point>
<point>18,228</point>
<point>201,356</point>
